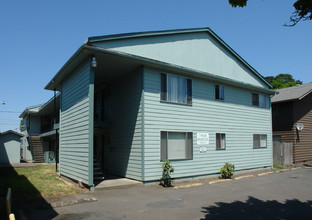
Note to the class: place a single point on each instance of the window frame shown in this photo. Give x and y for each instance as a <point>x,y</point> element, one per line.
<point>260,135</point>
<point>164,145</point>
<point>215,93</point>
<point>256,102</point>
<point>164,89</point>
<point>220,139</point>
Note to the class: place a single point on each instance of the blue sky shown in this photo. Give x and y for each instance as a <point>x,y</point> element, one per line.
<point>37,38</point>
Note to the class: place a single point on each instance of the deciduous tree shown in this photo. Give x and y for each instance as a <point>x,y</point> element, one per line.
<point>303,10</point>
<point>282,81</point>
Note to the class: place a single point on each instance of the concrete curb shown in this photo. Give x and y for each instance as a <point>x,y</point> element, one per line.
<point>187,186</point>
<point>71,202</point>
<point>219,181</point>
<point>244,177</point>
<point>264,174</point>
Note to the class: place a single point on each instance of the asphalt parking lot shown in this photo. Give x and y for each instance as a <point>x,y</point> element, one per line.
<point>271,195</point>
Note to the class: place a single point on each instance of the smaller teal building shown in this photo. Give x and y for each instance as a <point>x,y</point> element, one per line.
<point>130,101</point>
<point>10,147</point>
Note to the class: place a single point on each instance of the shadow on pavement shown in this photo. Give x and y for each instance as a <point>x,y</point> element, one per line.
<point>25,196</point>
<point>257,209</point>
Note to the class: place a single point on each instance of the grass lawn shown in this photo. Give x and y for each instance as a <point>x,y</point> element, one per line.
<point>33,182</point>
<point>278,166</point>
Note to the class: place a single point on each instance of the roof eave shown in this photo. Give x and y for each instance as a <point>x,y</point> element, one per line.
<point>48,102</point>
<point>53,84</point>
<point>88,50</point>
<point>27,112</point>
<point>184,69</point>
<point>285,100</point>
<point>11,131</point>
<point>304,95</point>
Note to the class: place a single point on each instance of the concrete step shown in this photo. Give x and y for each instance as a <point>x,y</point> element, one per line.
<point>117,183</point>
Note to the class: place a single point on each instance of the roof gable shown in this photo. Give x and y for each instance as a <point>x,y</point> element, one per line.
<point>46,107</point>
<point>292,93</point>
<point>198,49</point>
<point>11,132</point>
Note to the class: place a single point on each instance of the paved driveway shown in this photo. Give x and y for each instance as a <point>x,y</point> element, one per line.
<point>283,195</point>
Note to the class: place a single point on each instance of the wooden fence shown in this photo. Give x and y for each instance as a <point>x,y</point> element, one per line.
<point>282,153</point>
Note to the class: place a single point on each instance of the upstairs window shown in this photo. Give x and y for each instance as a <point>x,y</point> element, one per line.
<point>258,100</point>
<point>219,92</point>
<point>176,89</point>
<point>259,140</point>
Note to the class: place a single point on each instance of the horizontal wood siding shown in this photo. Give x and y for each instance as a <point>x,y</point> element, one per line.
<point>125,156</point>
<point>286,136</point>
<point>303,144</point>
<point>284,125</point>
<point>74,125</point>
<point>236,117</point>
<point>199,51</point>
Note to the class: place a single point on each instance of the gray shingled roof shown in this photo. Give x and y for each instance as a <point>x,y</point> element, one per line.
<point>13,132</point>
<point>292,93</point>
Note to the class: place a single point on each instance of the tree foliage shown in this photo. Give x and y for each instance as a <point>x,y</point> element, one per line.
<point>282,81</point>
<point>21,125</point>
<point>303,10</point>
<point>239,3</point>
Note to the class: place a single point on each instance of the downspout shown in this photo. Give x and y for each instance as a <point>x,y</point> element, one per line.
<point>93,65</point>
<point>142,124</point>
<point>28,130</point>
<point>55,130</point>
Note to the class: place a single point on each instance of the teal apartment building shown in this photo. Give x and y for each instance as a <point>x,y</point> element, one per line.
<point>41,131</point>
<point>130,101</point>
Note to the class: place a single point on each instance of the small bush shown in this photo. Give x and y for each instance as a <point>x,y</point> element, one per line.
<point>166,180</point>
<point>227,171</point>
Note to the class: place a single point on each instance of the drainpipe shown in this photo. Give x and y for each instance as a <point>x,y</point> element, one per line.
<point>28,123</point>
<point>55,130</point>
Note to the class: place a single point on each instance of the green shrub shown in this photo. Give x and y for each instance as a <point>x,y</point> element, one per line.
<point>166,180</point>
<point>227,171</point>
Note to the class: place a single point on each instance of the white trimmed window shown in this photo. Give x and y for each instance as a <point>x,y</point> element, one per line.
<point>176,89</point>
<point>220,141</point>
<point>258,100</point>
<point>259,140</point>
<point>176,145</point>
<point>219,92</point>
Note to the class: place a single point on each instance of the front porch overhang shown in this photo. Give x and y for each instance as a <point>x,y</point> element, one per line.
<point>49,133</point>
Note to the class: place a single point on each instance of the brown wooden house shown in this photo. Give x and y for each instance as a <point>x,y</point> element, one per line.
<point>290,107</point>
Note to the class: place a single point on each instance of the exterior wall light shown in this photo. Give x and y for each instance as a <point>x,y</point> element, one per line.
<point>3,102</point>
<point>93,63</point>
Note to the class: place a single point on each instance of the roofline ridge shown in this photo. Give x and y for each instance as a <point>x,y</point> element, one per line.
<point>143,34</point>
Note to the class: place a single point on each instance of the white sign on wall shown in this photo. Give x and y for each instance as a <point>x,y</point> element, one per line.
<point>203,139</point>
<point>202,149</point>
